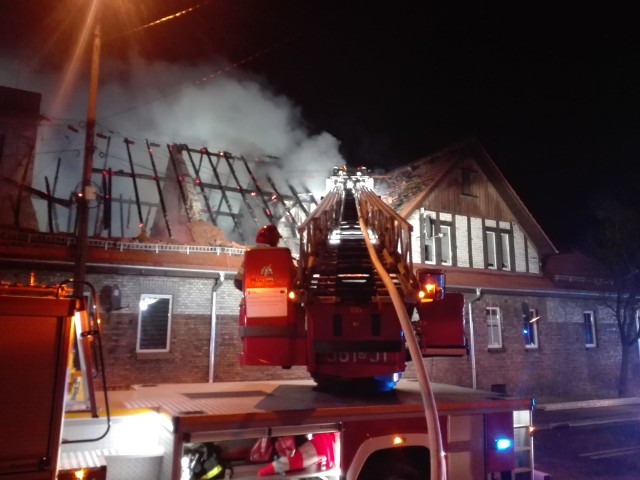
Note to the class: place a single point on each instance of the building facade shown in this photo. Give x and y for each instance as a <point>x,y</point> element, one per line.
<point>536,320</point>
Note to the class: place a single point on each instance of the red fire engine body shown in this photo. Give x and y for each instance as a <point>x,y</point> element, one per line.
<point>341,311</point>
<point>154,428</point>
<point>336,315</point>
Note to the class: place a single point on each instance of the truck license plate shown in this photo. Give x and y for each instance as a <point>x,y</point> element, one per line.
<point>355,357</point>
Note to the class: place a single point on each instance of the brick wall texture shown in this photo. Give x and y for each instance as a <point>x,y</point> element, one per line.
<point>560,366</point>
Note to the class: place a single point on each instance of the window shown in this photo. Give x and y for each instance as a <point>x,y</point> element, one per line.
<point>504,239</point>
<point>154,323</point>
<point>445,245</point>
<point>437,239</point>
<point>589,329</point>
<point>530,328</point>
<point>491,250</point>
<point>467,177</point>
<point>429,244</point>
<point>494,329</point>
<point>498,246</point>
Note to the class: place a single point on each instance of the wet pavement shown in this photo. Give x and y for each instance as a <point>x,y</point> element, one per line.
<point>588,412</point>
<point>597,439</point>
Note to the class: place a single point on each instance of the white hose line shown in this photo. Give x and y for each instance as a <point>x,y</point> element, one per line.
<point>438,469</point>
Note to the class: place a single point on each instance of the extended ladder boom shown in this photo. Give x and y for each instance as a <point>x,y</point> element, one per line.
<point>355,250</point>
<point>333,258</point>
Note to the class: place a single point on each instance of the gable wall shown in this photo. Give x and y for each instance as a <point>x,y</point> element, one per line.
<point>484,200</point>
<point>468,241</point>
<point>471,213</point>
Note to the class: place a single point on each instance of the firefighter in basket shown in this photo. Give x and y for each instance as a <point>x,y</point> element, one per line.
<point>267,237</point>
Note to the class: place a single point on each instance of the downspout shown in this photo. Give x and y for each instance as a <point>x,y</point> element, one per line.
<point>217,283</point>
<point>638,328</point>
<point>472,346</point>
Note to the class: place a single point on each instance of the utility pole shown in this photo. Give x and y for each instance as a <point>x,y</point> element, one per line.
<point>87,193</point>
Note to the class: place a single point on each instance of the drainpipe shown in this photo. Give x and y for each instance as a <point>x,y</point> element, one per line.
<point>638,328</point>
<point>217,283</point>
<point>472,346</point>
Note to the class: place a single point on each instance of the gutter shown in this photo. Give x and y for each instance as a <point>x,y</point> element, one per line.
<point>472,346</point>
<point>116,268</point>
<point>214,321</point>
<point>531,292</point>
<point>179,271</point>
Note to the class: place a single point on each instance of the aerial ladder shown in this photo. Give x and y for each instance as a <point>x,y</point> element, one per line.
<point>352,330</point>
<point>345,311</point>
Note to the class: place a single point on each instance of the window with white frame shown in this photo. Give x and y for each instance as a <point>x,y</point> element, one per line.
<point>505,252</point>
<point>491,250</point>
<point>589,322</point>
<point>530,329</point>
<point>445,245</point>
<point>429,241</point>
<point>494,327</point>
<point>154,323</point>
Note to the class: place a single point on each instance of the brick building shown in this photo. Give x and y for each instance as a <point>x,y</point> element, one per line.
<point>536,320</point>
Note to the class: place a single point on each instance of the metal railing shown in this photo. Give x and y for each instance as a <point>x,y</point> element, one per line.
<point>315,231</point>
<point>393,232</point>
<point>69,240</point>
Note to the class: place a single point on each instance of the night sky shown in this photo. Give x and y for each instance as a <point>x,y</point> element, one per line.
<point>552,93</point>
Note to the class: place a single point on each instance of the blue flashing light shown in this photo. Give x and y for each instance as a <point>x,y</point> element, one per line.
<point>525,331</point>
<point>386,383</point>
<point>503,444</point>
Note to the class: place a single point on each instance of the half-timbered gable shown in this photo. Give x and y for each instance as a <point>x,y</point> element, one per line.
<point>464,213</point>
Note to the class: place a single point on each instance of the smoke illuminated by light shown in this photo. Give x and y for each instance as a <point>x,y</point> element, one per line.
<point>162,103</point>
<point>71,74</point>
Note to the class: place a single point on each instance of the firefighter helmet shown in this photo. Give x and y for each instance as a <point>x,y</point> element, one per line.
<point>268,235</point>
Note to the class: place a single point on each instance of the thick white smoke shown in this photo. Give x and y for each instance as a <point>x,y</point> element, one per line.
<point>170,103</point>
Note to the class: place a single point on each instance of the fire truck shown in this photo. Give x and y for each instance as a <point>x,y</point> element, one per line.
<point>350,307</point>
